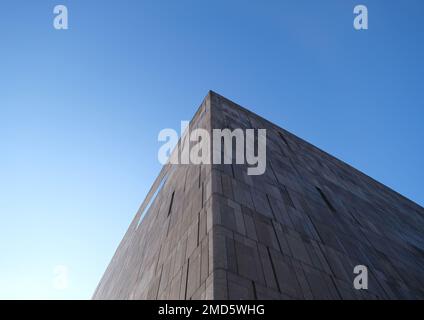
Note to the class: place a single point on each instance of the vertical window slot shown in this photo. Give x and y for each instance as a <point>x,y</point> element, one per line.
<point>329,205</point>
<point>170,204</point>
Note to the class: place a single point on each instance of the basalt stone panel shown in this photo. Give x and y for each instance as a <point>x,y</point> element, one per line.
<point>295,232</point>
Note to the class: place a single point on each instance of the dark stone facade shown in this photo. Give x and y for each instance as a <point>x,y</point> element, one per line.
<point>296,232</point>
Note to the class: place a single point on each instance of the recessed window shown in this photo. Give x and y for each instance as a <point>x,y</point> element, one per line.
<point>285,141</point>
<point>152,198</point>
<point>329,205</point>
<point>170,204</point>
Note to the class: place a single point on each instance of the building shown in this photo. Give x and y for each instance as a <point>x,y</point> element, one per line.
<point>295,232</point>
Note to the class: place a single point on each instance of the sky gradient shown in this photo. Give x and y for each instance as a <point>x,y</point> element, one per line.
<point>80,110</point>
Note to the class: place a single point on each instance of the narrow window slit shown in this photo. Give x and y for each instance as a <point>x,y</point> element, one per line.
<point>330,206</point>
<point>285,141</point>
<point>171,203</point>
<point>286,196</point>
<point>273,269</point>
<point>151,200</point>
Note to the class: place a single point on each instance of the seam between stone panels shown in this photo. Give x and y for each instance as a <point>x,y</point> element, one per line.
<point>186,279</point>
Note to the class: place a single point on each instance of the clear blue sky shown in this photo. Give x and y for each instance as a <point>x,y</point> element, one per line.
<point>80,109</point>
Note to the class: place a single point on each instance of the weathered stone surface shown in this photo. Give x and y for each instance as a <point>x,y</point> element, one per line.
<point>295,232</point>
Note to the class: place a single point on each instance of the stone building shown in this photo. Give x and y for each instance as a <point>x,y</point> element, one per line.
<point>295,232</point>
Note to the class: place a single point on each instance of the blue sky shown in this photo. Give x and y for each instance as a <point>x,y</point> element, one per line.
<point>80,109</point>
